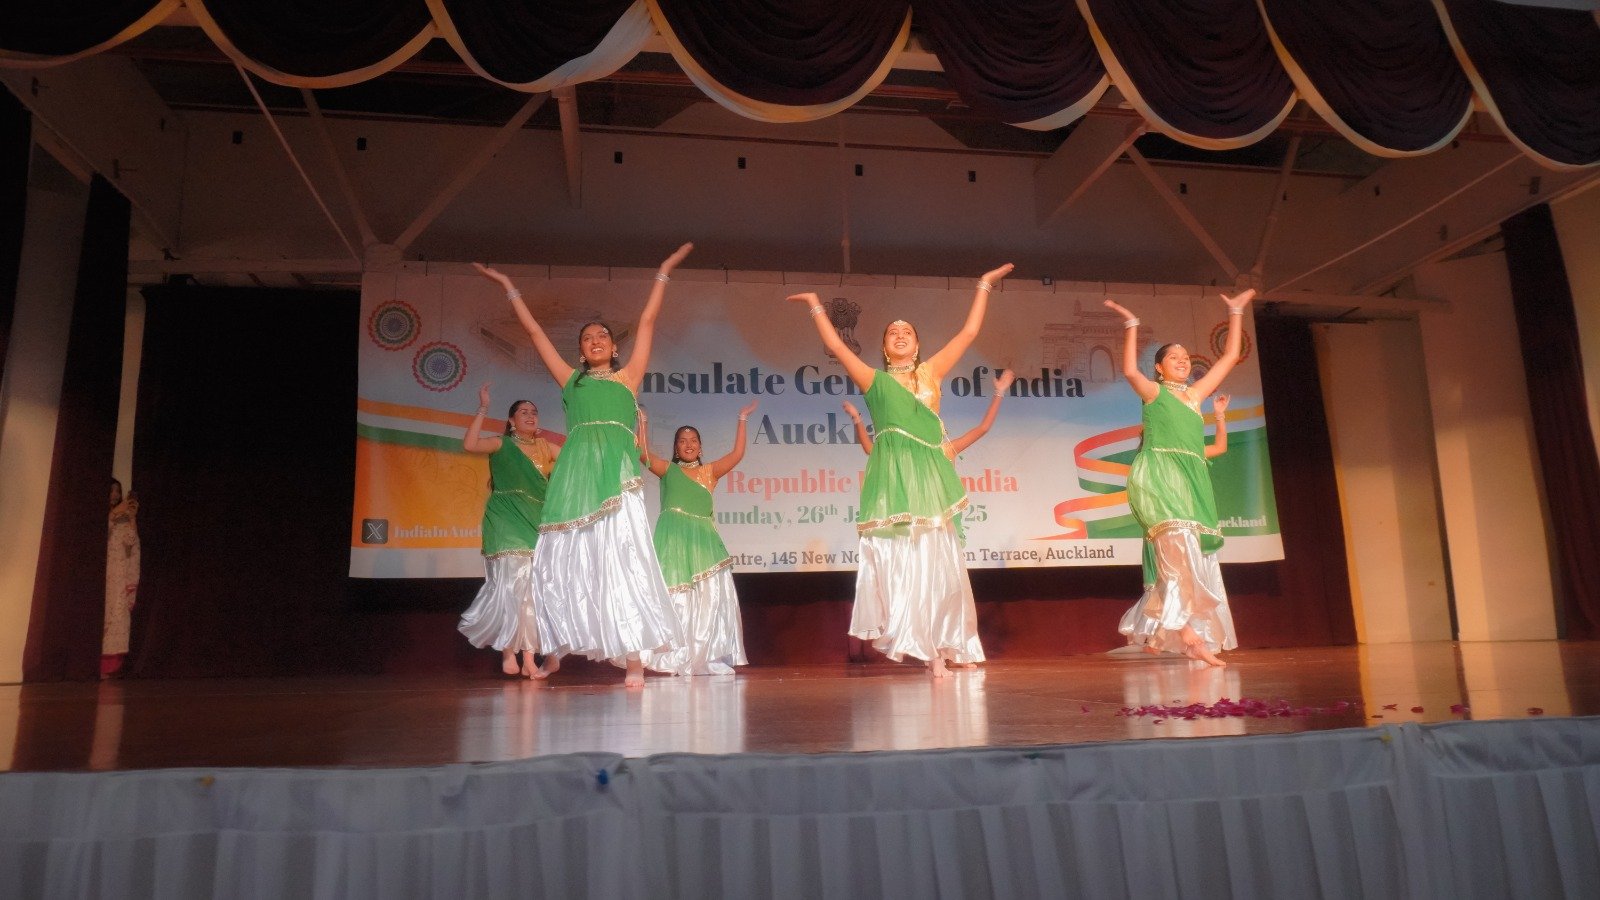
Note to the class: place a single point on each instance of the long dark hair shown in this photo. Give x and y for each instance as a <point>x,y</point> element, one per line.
<point>680,431</point>
<point>585,360</point>
<point>512,412</point>
<point>1162,351</point>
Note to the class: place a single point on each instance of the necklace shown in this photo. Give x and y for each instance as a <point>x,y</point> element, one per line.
<point>527,442</point>
<point>900,370</point>
<point>1175,385</point>
<point>688,464</point>
<point>603,374</point>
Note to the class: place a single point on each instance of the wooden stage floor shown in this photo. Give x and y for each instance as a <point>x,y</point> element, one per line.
<point>418,721</point>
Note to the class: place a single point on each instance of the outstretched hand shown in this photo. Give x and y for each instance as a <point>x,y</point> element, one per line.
<point>851,409</point>
<point>1119,309</point>
<point>809,298</point>
<point>677,257</point>
<point>493,274</point>
<point>1220,403</point>
<point>1003,381</point>
<point>483,396</point>
<point>748,409</point>
<point>994,276</point>
<point>1239,300</point>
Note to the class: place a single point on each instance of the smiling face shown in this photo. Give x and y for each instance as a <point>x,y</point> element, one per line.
<point>596,345</point>
<point>686,444</point>
<point>1172,363</point>
<point>524,418</point>
<point>900,343</point>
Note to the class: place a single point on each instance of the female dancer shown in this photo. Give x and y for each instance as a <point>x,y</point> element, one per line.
<point>912,592</point>
<point>694,560</point>
<point>502,616</point>
<point>595,573</point>
<point>1169,490</point>
<point>952,448</point>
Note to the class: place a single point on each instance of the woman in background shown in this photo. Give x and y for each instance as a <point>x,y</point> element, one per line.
<point>122,579</point>
<point>503,615</point>
<point>694,561</point>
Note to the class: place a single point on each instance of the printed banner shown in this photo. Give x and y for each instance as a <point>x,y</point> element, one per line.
<point>1047,484</point>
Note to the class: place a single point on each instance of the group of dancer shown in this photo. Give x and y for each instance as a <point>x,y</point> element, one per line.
<point>573,565</point>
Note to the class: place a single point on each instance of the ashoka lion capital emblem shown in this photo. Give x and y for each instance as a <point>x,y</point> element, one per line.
<point>844,313</point>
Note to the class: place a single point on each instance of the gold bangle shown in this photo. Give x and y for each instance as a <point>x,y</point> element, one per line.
<point>984,286</point>
<point>817,310</point>
<point>662,278</point>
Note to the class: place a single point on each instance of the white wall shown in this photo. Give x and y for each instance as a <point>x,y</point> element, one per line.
<point>1376,396</point>
<point>1487,459</point>
<point>31,392</point>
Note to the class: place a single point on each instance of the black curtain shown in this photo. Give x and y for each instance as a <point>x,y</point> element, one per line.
<point>1384,66</point>
<point>797,53</point>
<point>16,142</point>
<point>316,38</point>
<point>1548,329</point>
<point>243,459</point>
<point>519,41</point>
<point>69,591</point>
<point>1314,578</point>
<point>1015,60</point>
<point>66,27</point>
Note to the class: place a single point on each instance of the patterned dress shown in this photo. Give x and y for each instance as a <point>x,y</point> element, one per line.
<point>913,597</point>
<point>595,571</point>
<point>503,615</point>
<point>1169,489</point>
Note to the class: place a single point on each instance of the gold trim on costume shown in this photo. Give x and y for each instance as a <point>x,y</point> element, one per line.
<point>520,492</point>
<point>1161,528</point>
<point>602,422</point>
<point>1181,450</point>
<point>610,506</point>
<point>519,552</point>
<point>680,588</point>
<point>685,512</point>
<point>914,520</point>
<point>892,429</point>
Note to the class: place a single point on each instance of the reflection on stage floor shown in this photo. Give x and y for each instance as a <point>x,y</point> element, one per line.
<point>414,721</point>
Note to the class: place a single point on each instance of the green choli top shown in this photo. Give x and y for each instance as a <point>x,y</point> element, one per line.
<point>909,481</point>
<point>516,502</point>
<point>600,459</point>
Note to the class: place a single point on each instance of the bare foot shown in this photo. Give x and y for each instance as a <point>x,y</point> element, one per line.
<point>1196,648</point>
<point>508,662</point>
<point>551,665</point>
<point>1150,650</point>
<point>936,667</point>
<point>635,676</point>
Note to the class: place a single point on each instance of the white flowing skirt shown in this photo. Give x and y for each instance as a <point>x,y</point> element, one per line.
<point>1188,591</point>
<point>503,615</point>
<point>600,588</point>
<point>709,612</point>
<point>913,597</point>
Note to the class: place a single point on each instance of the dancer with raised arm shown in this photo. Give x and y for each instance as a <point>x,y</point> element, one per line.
<point>595,572</point>
<point>503,615</point>
<point>955,447</point>
<point>1169,490</point>
<point>913,597</point>
<point>696,564</point>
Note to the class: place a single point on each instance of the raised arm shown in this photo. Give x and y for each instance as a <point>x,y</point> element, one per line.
<point>725,465</point>
<point>863,436</point>
<point>1001,384</point>
<point>1144,387</point>
<point>1230,351</point>
<point>1220,445</point>
<point>940,363</point>
<point>859,372</point>
<point>474,441</point>
<point>559,369</point>
<point>657,467</point>
<point>644,336</point>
